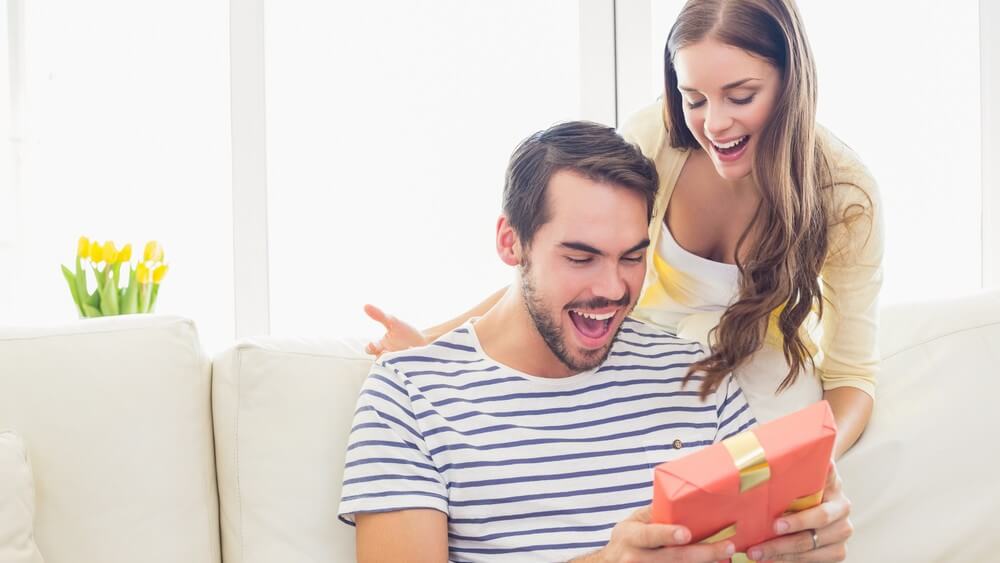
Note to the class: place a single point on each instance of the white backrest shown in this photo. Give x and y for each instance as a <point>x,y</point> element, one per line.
<point>283,411</point>
<point>115,414</point>
<point>923,478</point>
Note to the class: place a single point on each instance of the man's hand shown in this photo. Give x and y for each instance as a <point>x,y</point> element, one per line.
<point>827,523</point>
<point>398,334</point>
<point>636,540</point>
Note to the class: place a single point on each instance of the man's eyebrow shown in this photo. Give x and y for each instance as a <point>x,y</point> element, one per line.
<point>729,86</point>
<point>583,247</point>
<point>637,248</point>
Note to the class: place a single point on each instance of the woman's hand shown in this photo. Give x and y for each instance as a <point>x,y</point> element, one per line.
<point>815,534</point>
<point>398,334</point>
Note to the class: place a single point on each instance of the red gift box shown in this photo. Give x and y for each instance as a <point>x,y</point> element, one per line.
<point>737,488</point>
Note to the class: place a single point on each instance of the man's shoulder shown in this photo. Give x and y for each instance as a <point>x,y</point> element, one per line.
<point>635,332</point>
<point>448,352</point>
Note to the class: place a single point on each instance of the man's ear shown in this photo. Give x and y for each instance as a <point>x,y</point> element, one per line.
<point>508,243</point>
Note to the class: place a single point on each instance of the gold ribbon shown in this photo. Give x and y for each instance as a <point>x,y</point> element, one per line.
<point>723,534</point>
<point>805,502</point>
<point>750,460</point>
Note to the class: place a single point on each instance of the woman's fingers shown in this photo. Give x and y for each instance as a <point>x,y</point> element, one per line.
<point>374,349</point>
<point>378,315</point>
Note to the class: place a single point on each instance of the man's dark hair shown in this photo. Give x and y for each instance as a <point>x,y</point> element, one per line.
<point>590,149</point>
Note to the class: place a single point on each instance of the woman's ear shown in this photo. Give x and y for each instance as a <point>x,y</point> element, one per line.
<point>508,243</point>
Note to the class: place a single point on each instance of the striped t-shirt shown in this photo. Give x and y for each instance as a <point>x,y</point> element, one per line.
<point>528,468</point>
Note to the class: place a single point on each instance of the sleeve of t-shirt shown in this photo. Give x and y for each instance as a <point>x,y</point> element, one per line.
<point>388,466</point>
<point>732,410</point>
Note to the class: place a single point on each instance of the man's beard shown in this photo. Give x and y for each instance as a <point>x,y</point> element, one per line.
<point>551,330</point>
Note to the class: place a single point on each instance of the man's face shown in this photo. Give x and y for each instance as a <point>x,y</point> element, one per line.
<point>583,271</point>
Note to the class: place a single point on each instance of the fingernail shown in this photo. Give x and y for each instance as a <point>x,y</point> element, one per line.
<point>681,535</point>
<point>755,553</point>
<point>781,526</point>
<point>730,549</point>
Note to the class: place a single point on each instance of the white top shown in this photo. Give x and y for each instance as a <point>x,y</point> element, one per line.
<point>701,291</point>
<point>528,468</point>
<point>706,286</point>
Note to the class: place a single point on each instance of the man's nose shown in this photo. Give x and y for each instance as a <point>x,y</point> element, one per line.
<point>610,284</point>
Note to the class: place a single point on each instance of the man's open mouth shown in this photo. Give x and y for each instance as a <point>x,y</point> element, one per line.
<point>592,327</point>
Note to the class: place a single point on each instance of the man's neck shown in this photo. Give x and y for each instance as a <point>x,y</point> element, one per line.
<point>508,335</point>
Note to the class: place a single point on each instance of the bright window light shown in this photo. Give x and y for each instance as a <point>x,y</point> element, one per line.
<point>126,138</point>
<point>389,127</point>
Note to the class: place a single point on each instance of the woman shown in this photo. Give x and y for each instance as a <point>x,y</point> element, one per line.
<point>766,234</point>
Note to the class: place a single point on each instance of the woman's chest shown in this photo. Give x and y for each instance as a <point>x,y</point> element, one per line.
<point>707,216</point>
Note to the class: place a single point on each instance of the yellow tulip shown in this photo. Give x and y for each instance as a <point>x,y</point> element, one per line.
<point>153,252</point>
<point>110,252</point>
<point>142,273</point>
<point>95,252</point>
<point>159,272</point>
<point>83,248</point>
<point>125,254</point>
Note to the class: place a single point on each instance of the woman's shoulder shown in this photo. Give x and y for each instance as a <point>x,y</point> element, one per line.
<point>851,182</point>
<point>647,129</point>
<point>855,203</point>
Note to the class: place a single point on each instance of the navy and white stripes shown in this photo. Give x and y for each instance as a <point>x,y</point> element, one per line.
<point>537,467</point>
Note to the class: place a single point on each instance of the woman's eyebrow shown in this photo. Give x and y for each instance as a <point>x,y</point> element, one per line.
<point>729,86</point>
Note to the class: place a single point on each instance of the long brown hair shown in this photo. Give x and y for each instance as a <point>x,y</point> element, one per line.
<point>781,269</point>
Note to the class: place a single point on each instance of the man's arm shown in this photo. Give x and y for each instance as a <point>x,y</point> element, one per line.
<point>416,535</point>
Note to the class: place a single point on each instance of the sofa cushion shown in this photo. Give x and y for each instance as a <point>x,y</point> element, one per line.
<point>17,503</point>
<point>117,414</point>
<point>283,411</point>
<point>923,477</point>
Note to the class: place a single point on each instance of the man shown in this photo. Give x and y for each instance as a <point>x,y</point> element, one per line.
<point>530,434</point>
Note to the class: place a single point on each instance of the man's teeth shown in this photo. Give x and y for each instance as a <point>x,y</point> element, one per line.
<point>596,317</point>
<point>731,144</point>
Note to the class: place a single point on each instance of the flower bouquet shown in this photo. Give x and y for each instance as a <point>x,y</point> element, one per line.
<point>110,297</point>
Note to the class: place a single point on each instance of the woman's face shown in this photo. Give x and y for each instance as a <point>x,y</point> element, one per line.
<point>727,95</point>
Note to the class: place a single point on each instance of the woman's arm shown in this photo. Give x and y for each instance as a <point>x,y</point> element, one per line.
<point>852,408</point>
<point>400,335</point>
<point>852,280</point>
<point>440,330</point>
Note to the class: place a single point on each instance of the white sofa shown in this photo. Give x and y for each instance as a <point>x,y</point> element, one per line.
<point>144,450</point>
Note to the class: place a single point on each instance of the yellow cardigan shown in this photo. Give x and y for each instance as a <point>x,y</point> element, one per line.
<point>847,354</point>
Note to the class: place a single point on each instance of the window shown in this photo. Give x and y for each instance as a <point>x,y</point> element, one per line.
<point>126,138</point>
<point>389,127</point>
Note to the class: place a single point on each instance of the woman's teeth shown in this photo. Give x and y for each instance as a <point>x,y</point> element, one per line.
<point>732,144</point>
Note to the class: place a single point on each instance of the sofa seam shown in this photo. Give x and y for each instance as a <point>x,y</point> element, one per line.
<point>938,337</point>
<point>61,334</point>
<point>358,358</point>
<point>236,449</point>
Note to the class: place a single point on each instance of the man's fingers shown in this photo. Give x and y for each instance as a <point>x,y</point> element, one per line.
<point>800,543</point>
<point>378,315</point>
<point>825,554</point>
<point>652,536</point>
<point>643,515</point>
<point>819,516</point>
<point>718,551</point>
